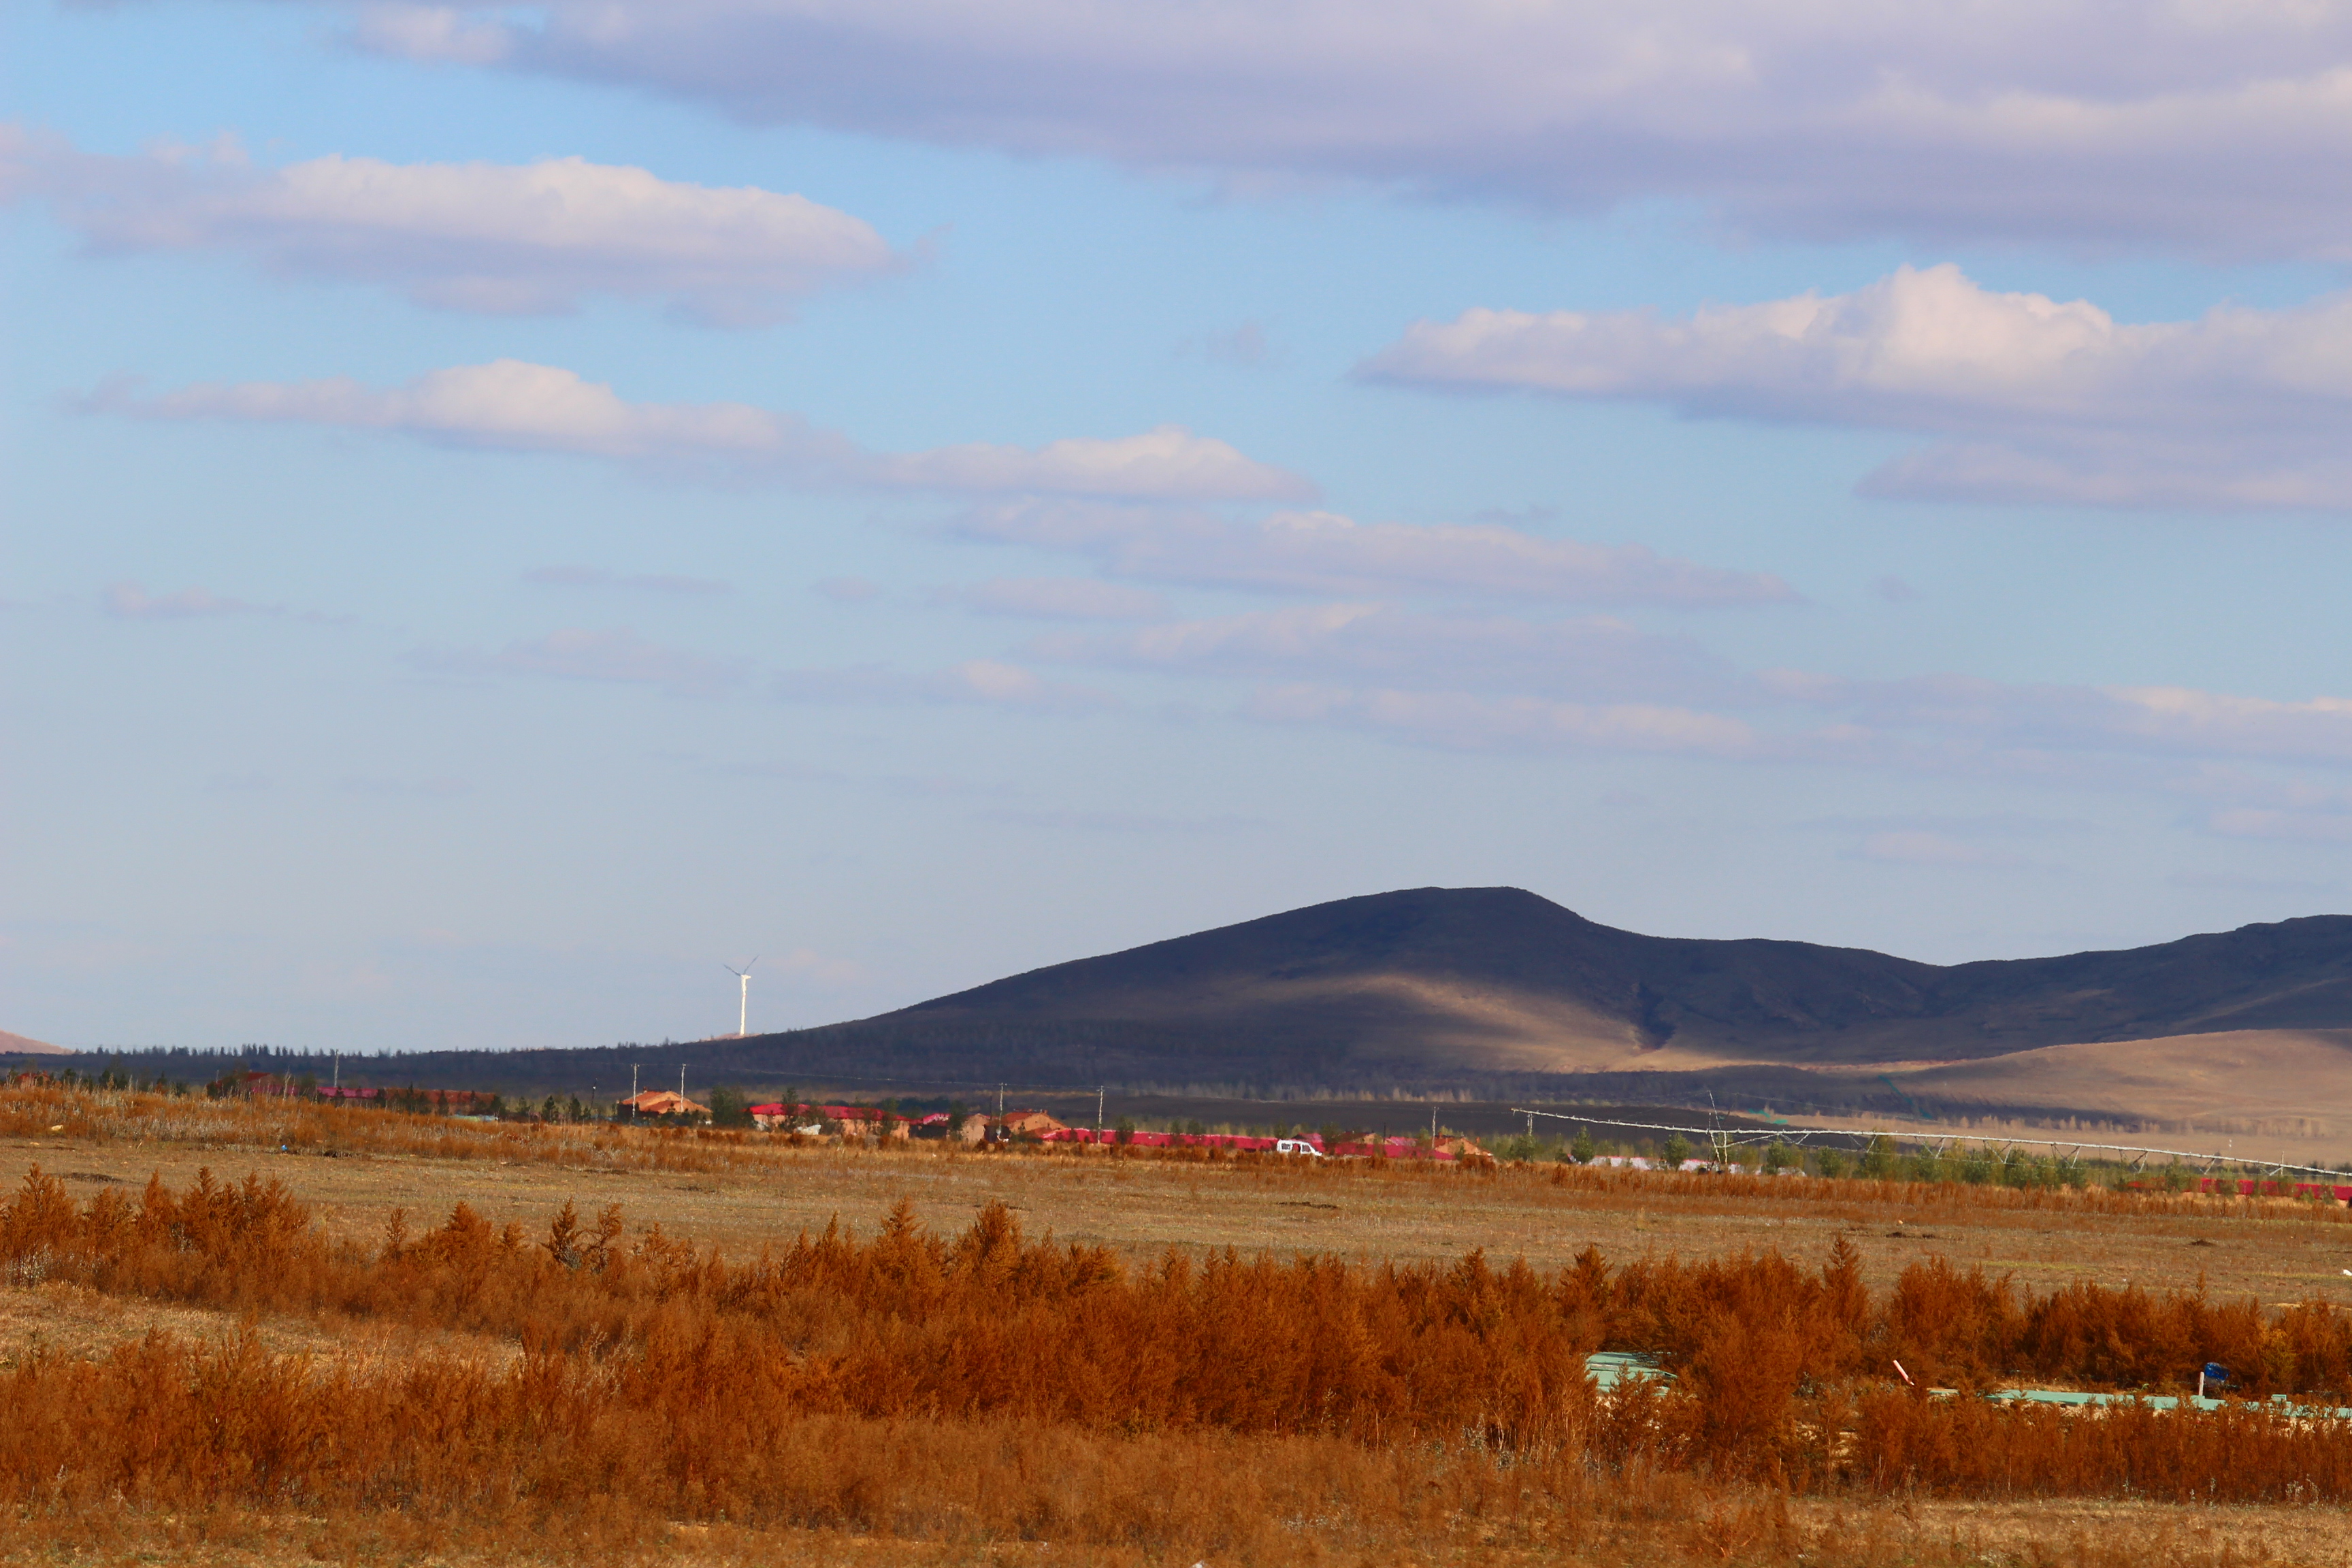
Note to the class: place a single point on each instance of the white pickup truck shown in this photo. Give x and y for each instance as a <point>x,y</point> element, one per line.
<point>1296,1146</point>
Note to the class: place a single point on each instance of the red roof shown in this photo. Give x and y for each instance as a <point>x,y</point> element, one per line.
<point>824,1112</point>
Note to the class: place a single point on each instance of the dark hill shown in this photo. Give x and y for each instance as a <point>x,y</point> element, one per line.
<point>1423,983</point>
<point>1497,992</point>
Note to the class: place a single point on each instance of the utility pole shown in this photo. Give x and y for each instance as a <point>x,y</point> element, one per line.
<point>1098,1104</point>
<point>1000,1105</point>
<point>633,1091</point>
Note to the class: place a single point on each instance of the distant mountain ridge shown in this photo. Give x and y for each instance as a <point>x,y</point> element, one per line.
<point>1495,994</point>
<point>1499,980</point>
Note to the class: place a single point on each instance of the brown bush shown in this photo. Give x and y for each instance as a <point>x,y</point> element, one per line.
<point>847,1383</point>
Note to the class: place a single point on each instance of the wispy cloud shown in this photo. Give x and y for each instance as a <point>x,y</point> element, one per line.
<point>849,590</point>
<point>1146,824</point>
<point>645,582</point>
<point>1060,599</point>
<point>491,237</point>
<point>513,406</point>
<point>129,602</point>
<point>2029,398</point>
<point>1246,347</point>
<point>1481,722</point>
<point>403,788</point>
<point>1494,682</point>
<point>617,656</point>
<point>989,682</point>
<point>1325,552</point>
<point>2296,827</point>
<point>1917,847</point>
<point>1392,646</point>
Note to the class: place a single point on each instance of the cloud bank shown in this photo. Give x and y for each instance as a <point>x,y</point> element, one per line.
<point>1494,682</point>
<point>501,238</point>
<point>2029,399</point>
<point>2201,128</point>
<point>516,406</point>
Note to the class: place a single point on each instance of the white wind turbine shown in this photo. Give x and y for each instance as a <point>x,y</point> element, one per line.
<point>743,1013</point>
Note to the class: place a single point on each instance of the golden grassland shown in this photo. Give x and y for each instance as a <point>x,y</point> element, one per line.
<point>459,1341</point>
<point>739,1192</point>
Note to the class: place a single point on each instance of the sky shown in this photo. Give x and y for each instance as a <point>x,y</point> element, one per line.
<point>509,509</point>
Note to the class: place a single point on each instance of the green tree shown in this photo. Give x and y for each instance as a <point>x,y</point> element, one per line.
<point>1583,1149</point>
<point>1676,1151</point>
<point>730,1107</point>
<point>1831,1162</point>
<point>1776,1156</point>
<point>1879,1157</point>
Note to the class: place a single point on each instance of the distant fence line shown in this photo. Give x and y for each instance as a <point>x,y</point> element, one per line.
<point>1726,1138</point>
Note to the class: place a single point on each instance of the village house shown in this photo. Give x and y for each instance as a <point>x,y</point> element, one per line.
<point>664,1102</point>
<point>854,1121</point>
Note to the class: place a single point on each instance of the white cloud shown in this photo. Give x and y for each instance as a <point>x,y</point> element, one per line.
<point>1167,461</point>
<point>508,405</point>
<point>503,238</point>
<point>618,656</point>
<point>129,602</point>
<point>2183,124</point>
<point>1062,599</point>
<point>1324,552</point>
<point>2030,398</point>
<point>513,406</point>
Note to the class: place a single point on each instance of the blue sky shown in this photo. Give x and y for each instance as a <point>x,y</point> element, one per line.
<point>509,509</point>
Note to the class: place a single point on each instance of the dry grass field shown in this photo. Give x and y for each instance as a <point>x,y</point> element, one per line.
<point>1121,1492</point>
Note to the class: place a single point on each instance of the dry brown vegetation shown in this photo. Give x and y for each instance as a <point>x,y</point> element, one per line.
<point>975,1388</point>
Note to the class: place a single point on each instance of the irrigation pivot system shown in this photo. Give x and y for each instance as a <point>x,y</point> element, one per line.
<point>1723,1139</point>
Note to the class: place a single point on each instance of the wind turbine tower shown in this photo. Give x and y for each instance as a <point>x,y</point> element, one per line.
<point>743,1011</point>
